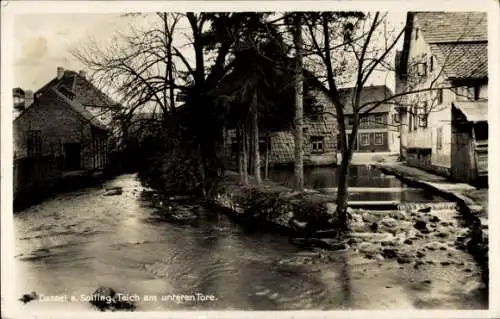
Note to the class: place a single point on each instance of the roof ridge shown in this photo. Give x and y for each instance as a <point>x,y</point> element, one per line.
<point>459,42</point>
<point>78,108</point>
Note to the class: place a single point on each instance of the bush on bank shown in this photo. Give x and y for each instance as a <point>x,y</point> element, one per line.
<point>274,205</point>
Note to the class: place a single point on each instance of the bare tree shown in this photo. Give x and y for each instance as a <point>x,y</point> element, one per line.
<point>357,44</point>
<point>145,67</point>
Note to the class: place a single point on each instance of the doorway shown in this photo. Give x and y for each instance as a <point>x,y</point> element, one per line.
<point>72,156</point>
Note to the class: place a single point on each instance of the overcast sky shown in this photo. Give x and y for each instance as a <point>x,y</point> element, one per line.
<point>43,42</point>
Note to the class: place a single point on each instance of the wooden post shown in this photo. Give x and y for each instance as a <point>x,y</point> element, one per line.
<point>266,172</point>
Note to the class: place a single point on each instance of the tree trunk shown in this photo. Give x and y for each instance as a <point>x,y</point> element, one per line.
<point>298,81</point>
<point>239,141</point>
<point>245,155</point>
<point>266,170</point>
<point>342,185</point>
<point>255,139</point>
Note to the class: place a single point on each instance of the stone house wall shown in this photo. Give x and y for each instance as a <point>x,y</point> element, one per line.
<point>58,124</point>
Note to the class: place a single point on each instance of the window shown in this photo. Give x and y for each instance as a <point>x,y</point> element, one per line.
<point>476,93</point>
<point>264,145</point>
<point>424,107</point>
<point>379,119</point>
<point>440,96</point>
<point>422,69</point>
<point>318,109</point>
<point>379,138</point>
<point>466,93</point>
<point>34,143</point>
<point>417,31</point>
<point>234,146</point>
<point>365,139</point>
<point>350,120</point>
<point>317,144</point>
<point>422,120</point>
<point>396,118</point>
<point>439,138</point>
<point>431,64</point>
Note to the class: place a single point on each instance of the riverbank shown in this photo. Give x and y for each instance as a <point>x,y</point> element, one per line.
<point>472,204</point>
<point>67,181</point>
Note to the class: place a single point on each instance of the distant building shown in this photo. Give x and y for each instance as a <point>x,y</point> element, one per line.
<point>70,120</point>
<point>22,100</point>
<point>446,130</point>
<point>378,131</point>
<point>278,147</point>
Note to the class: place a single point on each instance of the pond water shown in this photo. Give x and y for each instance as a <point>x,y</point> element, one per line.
<point>366,183</point>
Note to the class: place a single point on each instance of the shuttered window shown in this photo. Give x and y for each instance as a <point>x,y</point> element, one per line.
<point>34,142</point>
<point>439,138</point>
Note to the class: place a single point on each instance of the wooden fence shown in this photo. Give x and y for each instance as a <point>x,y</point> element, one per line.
<point>35,173</point>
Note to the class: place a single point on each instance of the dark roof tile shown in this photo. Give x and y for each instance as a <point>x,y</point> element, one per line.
<point>369,94</point>
<point>440,27</point>
<point>462,60</point>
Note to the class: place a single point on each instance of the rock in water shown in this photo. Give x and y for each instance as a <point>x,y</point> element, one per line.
<point>424,210</point>
<point>29,297</point>
<point>105,298</point>
<point>420,225</point>
<point>113,191</point>
<point>388,222</point>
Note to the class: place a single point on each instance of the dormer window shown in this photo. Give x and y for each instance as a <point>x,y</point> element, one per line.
<point>422,69</point>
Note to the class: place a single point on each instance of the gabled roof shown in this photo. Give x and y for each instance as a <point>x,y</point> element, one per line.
<point>53,94</point>
<point>87,100</point>
<point>443,27</point>
<point>369,94</point>
<point>463,60</point>
<point>458,40</point>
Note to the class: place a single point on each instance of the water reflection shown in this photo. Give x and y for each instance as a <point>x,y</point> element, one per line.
<point>322,177</point>
<point>358,176</point>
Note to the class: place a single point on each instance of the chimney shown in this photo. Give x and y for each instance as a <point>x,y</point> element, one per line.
<point>60,72</point>
<point>83,74</point>
<point>28,98</point>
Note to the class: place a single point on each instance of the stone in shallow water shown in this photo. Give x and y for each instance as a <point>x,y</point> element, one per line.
<point>368,248</point>
<point>105,298</point>
<point>29,297</point>
<point>420,225</point>
<point>389,222</point>
<point>370,218</point>
<point>390,253</point>
<point>399,215</point>
<point>434,219</point>
<point>404,259</point>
